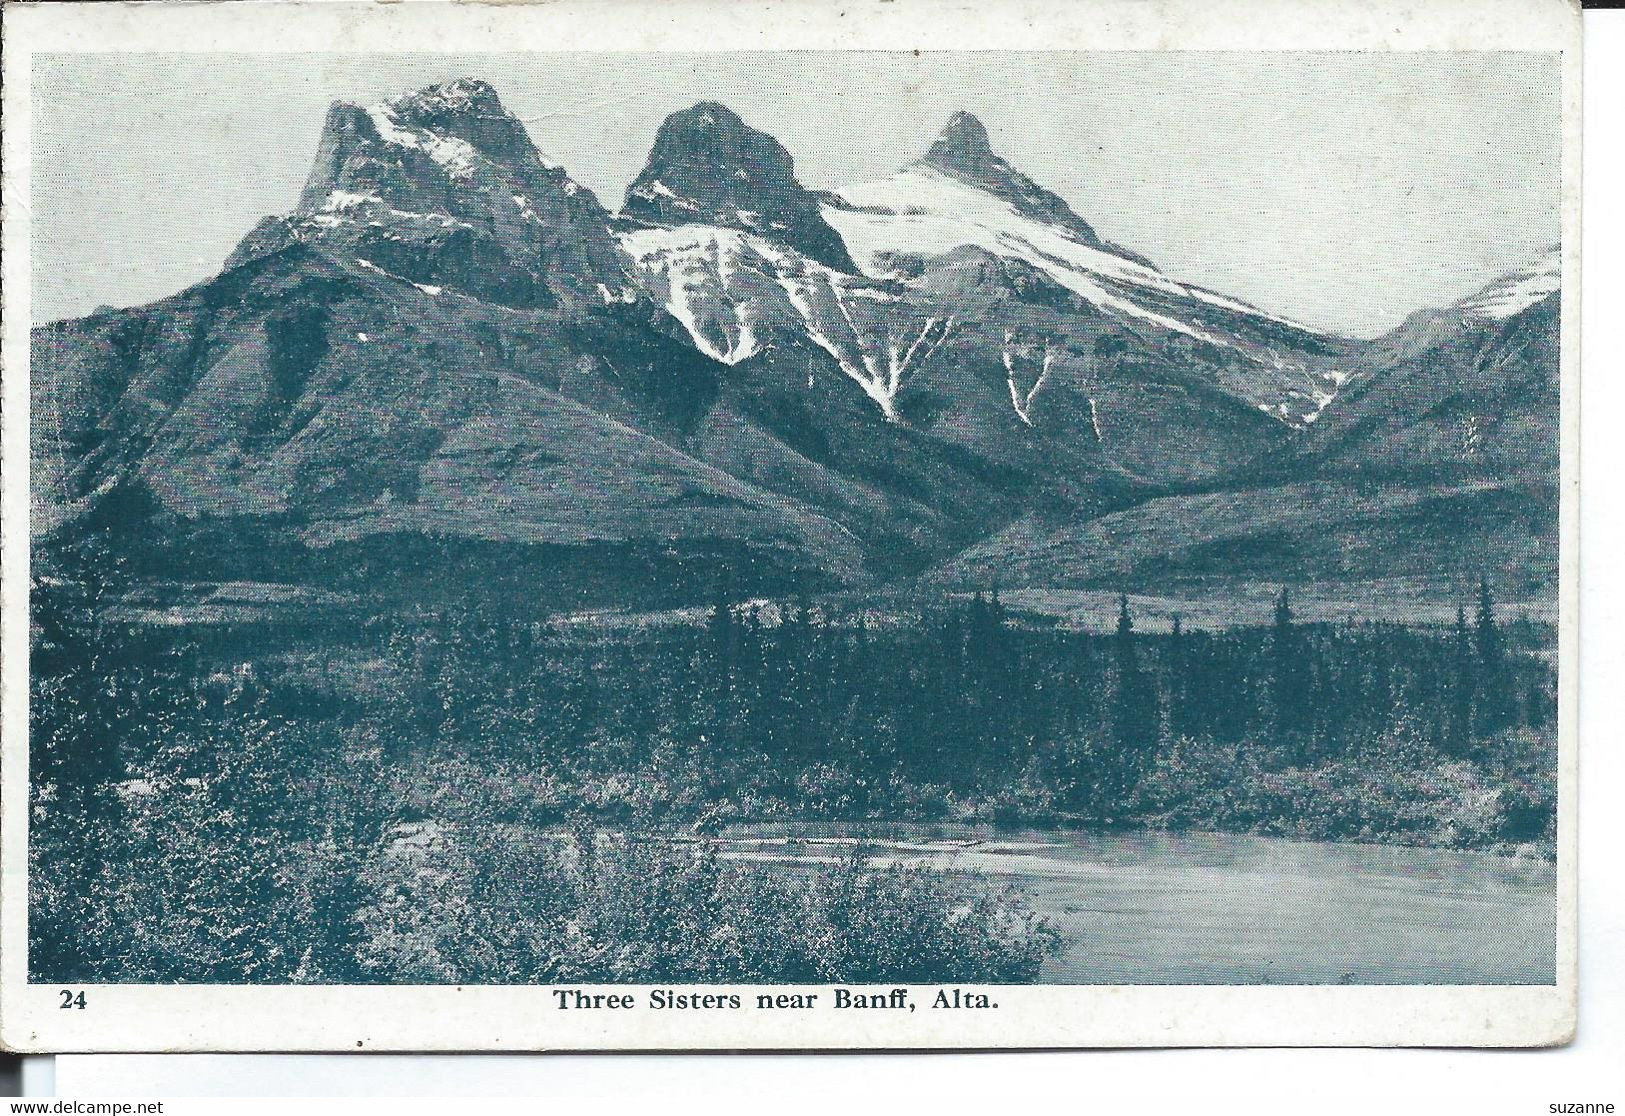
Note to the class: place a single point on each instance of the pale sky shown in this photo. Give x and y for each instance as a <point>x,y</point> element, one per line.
<point>1343,190</point>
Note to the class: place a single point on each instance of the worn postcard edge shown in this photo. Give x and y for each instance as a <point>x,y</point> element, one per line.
<point>333,1018</point>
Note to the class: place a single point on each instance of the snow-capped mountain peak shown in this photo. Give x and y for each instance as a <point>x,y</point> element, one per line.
<point>443,187</point>
<point>457,95</point>
<point>411,145</point>
<point>963,194</point>
<point>711,177</point>
<point>708,166</point>
<point>963,151</point>
<point>962,143</point>
<point>1518,289</point>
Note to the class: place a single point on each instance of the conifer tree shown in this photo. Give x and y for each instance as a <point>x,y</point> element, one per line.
<point>1464,684</point>
<point>1178,681</point>
<point>1290,682</point>
<point>1494,700</point>
<point>1491,646</point>
<point>724,637</point>
<point>1134,712</point>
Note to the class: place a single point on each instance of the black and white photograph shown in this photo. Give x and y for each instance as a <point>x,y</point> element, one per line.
<point>843,539</point>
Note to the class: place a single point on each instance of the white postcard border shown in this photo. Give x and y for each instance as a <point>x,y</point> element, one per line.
<point>199,1017</point>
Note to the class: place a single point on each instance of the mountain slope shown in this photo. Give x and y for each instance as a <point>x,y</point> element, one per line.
<point>1435,539</point>
<point>343,405</point>
<point>709,167</point>
<point>443,187</point>
<point>978,338</point>
<point>963,194</point>
<point>1438,464</point>
<point>1471,389</point>
<point>449,357</point>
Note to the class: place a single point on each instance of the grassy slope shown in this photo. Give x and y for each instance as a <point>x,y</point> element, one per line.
<point>1309,531</point>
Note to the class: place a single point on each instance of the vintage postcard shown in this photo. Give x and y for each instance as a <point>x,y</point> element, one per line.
<point>791,525</point>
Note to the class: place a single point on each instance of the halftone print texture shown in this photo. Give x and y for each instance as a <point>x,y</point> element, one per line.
<point>802,518</point>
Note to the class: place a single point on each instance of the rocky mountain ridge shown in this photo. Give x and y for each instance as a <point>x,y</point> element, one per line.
<point>449,340</point>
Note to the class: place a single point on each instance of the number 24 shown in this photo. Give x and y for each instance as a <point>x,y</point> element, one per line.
<point>70,1000</point>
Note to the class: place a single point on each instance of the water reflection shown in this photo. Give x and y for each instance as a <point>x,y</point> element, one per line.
<point>1162,908</point>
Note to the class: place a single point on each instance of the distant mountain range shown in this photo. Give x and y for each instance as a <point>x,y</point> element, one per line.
<point>452,353</point>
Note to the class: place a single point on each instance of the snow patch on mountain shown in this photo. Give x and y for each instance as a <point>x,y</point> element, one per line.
<point>731,290</point>
<point>923,211</point>
<point>655,190</point>
<point>426,288</point>
<point>690,269</point>
<point>1022,399</point>
<point>458,156</point>
<point>340,200</point>
<point>1518,290</point>
<point>343,207</point>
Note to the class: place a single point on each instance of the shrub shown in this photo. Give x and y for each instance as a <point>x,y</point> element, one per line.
<point>509,906</point>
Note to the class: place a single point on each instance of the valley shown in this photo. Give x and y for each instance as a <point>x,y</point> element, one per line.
<point>944,376</point>
<point>472,561</point>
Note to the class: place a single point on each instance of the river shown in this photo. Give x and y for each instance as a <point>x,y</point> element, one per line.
<point>1158,908</point>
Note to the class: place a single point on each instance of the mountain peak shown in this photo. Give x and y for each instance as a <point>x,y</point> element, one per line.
<point>455,96</point>
<point>403,149</point>
<point>713,131</point>
<point>442,187</point>
<point>708,166</point>
<point>465,111</point>
<point>710,114</point>
<point>962,142</point>
<point>1518,289</point>
<point>962,151</point>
